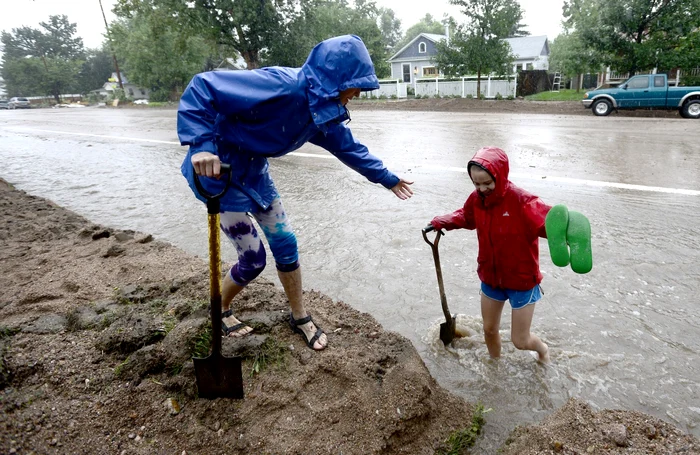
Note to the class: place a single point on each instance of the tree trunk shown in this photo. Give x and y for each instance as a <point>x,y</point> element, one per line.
<point>251,59</point>
<point>478,84</point>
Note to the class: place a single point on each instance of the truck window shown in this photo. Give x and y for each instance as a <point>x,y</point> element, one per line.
<point>638,82</point>
<point>659,81</point>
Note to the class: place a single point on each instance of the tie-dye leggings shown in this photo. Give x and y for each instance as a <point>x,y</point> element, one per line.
<point>239,228</point>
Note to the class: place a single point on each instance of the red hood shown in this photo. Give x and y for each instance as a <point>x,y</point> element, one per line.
<point>495,161</point>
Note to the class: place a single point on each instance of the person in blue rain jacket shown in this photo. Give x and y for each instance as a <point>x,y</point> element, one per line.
<point>245,117</point>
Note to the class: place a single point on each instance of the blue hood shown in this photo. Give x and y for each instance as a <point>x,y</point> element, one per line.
<point>334,65</point>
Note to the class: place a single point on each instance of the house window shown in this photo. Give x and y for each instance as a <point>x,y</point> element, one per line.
<point>143,92</point>
<point>422,48</point>
<point>430,71</point>
<point>131,92</point>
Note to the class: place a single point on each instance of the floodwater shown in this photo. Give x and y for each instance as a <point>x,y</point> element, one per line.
<point>626,335</point>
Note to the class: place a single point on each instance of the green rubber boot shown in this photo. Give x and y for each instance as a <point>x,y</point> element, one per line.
<point>556,225</point>
<point>578,235</point>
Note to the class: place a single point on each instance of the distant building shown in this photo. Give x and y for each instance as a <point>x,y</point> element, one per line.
<point>415,60</point>
<point>531,52</point>
<point>132,91</point>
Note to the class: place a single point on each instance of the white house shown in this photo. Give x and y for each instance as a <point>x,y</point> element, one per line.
<point>132,91</point>
<point>415,60</point>
<point>531,52</point>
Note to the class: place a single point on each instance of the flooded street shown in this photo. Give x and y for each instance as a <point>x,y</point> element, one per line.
<point>626,335</point>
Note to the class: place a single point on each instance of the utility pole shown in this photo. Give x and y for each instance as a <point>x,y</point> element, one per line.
<point>111,47</point>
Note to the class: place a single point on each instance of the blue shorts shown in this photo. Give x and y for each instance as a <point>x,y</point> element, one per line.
<point>517,299</point>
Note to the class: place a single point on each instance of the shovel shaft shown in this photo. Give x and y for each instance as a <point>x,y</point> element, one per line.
<point>215,280</point>
<point>438,270</point>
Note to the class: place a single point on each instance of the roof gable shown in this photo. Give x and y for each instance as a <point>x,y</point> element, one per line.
<point>434,38</point>
<point>529,46</point>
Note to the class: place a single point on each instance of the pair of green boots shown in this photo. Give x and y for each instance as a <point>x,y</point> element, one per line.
<point>569,238</point>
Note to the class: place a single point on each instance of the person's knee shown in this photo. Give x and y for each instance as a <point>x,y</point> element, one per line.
<point>521,341</point>
<point>250,265</point>
<point>284,247</point>
<point>491,331</point>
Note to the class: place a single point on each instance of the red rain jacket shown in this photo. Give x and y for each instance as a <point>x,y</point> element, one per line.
<point>508,223</point>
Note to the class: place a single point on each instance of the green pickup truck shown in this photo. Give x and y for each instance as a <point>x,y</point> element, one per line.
<point>648,91</point>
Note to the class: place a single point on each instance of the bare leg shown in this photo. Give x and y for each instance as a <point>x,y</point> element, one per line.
<point>521,336</point>
<point>291,282</point>
<point>491,314</point>
<point>229,290</point>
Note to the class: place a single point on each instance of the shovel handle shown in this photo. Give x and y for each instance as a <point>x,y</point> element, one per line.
<point>438,270</point>
<point>225,169</point>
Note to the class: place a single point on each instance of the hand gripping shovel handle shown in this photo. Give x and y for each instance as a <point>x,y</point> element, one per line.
<point>438,269</point>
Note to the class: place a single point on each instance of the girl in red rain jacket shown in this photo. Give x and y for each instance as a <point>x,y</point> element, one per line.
<point>508,221</point>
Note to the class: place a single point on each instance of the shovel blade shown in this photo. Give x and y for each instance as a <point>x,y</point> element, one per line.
<point>447,331</point>
<point>219,376</point>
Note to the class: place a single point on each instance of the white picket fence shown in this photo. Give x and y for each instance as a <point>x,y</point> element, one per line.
<point>491,87</point>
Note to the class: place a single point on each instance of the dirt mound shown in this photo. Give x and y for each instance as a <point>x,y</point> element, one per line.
<point>98,327</point>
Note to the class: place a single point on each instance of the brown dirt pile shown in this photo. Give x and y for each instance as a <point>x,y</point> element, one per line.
<point>98,327</point>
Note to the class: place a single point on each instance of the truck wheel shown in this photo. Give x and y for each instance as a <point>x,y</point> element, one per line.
<point>602,107</point>
<point>691,109</point>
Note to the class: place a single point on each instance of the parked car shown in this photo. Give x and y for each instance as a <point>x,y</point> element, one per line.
<point>4,104</point>
<point>648,91</point>
<point>19,103</point>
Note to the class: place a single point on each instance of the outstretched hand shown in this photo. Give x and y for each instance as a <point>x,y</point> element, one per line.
<point>402,190</point>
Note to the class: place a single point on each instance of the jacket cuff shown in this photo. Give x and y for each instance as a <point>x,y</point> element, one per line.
<point>207,146</point>
<point>390,180</point>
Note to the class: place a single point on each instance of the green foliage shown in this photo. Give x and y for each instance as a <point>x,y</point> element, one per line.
<point>201,343</point>
<point>271,353</point>
<point>42,61</point>
<point>562,95</point>
<point>571,56</point>
<point>636,35</point>
<point>95,70</point>
<point>157,55</point>
<point>478,47</point>
<point>461,440</point>
<point>323,19</point>
<point>690,81</point>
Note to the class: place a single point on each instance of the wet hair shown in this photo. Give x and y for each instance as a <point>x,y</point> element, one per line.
<point>474,163</point>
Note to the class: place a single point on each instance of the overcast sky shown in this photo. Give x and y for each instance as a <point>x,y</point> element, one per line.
<point>542,17</point>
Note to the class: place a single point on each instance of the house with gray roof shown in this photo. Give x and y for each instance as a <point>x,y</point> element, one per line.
<point>531,52</point>
<point>415,60</point>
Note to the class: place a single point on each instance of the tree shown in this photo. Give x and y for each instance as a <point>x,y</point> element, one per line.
<point>42,62</point>
<point>95,71</point>
<point>246,26</point>
<point>570,56</point>
<point>158,55</point>
<point>390,27</point>
<point>478,46</point>
<point>635,35</point>
<point>323,19</point>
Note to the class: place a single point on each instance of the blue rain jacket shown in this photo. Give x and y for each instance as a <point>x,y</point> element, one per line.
<point>246,117</point>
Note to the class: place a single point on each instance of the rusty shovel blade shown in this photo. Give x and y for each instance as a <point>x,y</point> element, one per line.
<point>447,331</point>
<point>219,376</point>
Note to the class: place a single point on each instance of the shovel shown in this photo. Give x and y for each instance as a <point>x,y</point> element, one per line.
<point>217,376</point>
<point>447,329</point>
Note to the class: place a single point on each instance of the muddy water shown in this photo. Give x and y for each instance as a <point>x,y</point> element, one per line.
<point>626,335</point>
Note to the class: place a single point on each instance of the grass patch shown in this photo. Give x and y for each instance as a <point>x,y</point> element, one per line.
<point>561,95</point>
<point>7,332</point>
<point>460,440</point>
<point>202,343</point>
<point>272,353</point>
<point>119,369</point>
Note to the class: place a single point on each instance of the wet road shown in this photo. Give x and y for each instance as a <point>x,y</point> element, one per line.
<point>626,335</point>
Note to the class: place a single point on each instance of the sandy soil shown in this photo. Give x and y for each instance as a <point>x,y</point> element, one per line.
<point>98,327</point>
